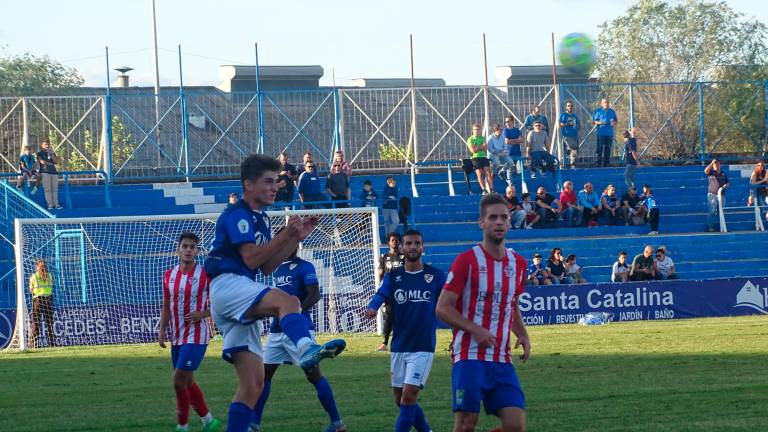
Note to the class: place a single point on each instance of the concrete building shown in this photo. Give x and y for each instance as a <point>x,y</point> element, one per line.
<point>396,82</point>
<point>235,78</point>
<point>537,75</point>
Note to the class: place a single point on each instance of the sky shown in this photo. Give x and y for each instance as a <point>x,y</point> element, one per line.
<point>349,39</point>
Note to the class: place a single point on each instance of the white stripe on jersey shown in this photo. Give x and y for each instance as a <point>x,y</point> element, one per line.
<point>187,292</point>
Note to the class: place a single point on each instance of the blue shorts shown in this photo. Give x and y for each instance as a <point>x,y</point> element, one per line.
<point>188,356</point>
<point>495,384</point>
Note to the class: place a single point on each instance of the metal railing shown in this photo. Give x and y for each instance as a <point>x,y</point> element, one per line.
<point>721,208</point>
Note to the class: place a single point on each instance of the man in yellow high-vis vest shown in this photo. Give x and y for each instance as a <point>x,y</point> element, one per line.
<point>41,286</point>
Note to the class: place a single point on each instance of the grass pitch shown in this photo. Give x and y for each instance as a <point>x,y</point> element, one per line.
<point>682,375</point>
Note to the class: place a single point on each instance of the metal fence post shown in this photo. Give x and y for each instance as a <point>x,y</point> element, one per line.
<point>631,106</point>
<point>765,118</point>
<point>337,142</point>
<point>702,135</point>
<point>260,101</point>
<point>184,120</point>
<point>25,124</point>
<point>108,126</point>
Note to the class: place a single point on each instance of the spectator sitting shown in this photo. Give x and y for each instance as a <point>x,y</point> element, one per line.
<point>665,268</point>
<point>498,152</point>
<point>531,217</point>
<point>389,207</point>
<point>573,270</point>
<point>346,168</point>
<point>651,209</point>
<point>611,206</point>
<point>572,211</point>
<point>537,273</point>
<point>548,207</point>
<point>513,138</point>
<point>589,199</point>
<point>556,268</point>
<point>620,271</point>
<point>337,185</point>
<point>759,179</point>
<point>368,196</point>
<point>642,266</point>
<point>538,144</point>
<point>309,187</point>
<point>27,169</point>
<point>629,206</point>
<point>516,212</point>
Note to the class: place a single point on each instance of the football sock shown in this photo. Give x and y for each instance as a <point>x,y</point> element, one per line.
<point>405,419</point>
<point>258,412</point>
<point>197,400</point>
<point>182,405</point>
<point>325,395</point>
<point>239,417</point>
<point>420,420</point>
<point>294,326</point>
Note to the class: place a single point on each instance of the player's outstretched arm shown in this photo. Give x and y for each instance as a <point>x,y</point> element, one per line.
<point>518,328</point>
<point>381,296</point>
<point>447,312</point>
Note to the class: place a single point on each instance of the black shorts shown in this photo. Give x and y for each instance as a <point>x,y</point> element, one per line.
<point>480,163</point>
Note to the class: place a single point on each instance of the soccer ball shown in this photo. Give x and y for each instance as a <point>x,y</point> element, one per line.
<point>577,53</point>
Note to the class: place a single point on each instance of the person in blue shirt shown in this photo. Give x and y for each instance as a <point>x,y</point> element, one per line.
<point>537,272</point>
<point>569,129</point>
<point>389,213</point>
<point>652,207</point>
<point>533,117</point>
<point>513,138</point>
<point>298,278</point>
<point>368,197</point>
<point>243,247</point>
<point>310,187</point>
<point>605,119</point>
<point>26,168</point>
<point>590,200</point>
<point>412,291</point>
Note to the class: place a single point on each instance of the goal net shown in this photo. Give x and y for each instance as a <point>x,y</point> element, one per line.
<point>108,272</point>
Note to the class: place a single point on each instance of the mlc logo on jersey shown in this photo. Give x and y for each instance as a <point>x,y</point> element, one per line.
<point>402,296</point>
<point>750,296</point>
<point>6,330</point>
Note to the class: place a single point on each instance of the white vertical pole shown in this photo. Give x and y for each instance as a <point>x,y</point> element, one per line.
<point>375,252</point>
<point>413,108</point>
<point>157,84</point>
<point>25,124</point>
<point>486,108</point>
<point>21,301</point>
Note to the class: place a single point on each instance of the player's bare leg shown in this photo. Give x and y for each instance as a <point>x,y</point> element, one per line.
<point>250,375</point>
<point>512,419</point>
<point>465,421</point>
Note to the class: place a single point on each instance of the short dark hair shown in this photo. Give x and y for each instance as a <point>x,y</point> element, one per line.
<point>367,182</point>
<point>525,195</point>
<point>189,235</point>
<point>413,232</point>
<point>234,195</point>
<point>45,141</point>
<point>489,200</point>
<point>623,253</point>
<point>255,165</point>
<point>390,177</point>
<point>570,257</point>
<point>626,134</point>
<point>394,234</point>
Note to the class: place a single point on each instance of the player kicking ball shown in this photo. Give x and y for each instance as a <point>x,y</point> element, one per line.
<point>411,292</point>
<point>185,307</point>
<point>243,247</point>
<point>480,302</point>
<point>298,278</point>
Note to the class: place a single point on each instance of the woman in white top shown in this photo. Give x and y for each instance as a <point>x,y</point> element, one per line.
<point>665,268</point>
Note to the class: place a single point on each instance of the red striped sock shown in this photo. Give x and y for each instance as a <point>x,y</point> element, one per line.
<point>182,406</point>
<point>198,400</point>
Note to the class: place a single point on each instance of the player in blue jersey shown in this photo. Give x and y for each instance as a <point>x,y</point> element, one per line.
<point>243,246</point>
<point>297,278</point>
<point>412,292</point>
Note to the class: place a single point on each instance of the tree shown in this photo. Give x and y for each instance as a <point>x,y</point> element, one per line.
<point>29,75</point>
<point>692,41</point>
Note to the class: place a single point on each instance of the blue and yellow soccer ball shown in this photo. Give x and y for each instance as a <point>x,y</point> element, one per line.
<point>577,53</point>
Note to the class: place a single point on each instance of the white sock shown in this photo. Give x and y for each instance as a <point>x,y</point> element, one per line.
<point>206,418</point>
<point>181,427</point>
<point>303,344</point>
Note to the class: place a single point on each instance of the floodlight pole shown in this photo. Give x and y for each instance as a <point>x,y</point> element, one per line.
<point>157,84</point>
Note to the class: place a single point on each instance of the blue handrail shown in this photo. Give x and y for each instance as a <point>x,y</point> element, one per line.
<point>68,195</point>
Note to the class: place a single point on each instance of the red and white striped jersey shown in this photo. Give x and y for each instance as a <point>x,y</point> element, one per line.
<point>488,291</point>
<point>185,293</point>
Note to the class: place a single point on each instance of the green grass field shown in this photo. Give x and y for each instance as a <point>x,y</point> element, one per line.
<point>683,375</point>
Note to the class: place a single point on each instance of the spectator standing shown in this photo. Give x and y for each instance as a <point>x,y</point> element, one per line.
<point>47,160</point>
<point>533,117</point>
<point>620,270</point>
<point>642,266</point>
<point>310,187</point>
<point>26,168</point>
<point>605,119</point>
<point>631,157</point>
<point>389,207</point>
<point>389,261</point>
<point>556,268</point>
<point>531,217</point>
<point>537,273</point>
<point>513,138</point>
<point>337,185</point>
<point>571,210</point>
<point>548,207</point>
<point>759,180</point>
<point>41,285</point>
<point>538,144</point>
<point>569,129</point>
<point>629,204</point>
<point>590,201</point>
<point>611,205</point>
<point>478,148</point>
<point>288,174</point>
<point>651,209</point>
<point>718,181</point>
<point>346,168</point>
<point>368,196</point>
<point>665,267</point>
<point>573,270</point>
<point>515,206</point>
<point>498,151</point>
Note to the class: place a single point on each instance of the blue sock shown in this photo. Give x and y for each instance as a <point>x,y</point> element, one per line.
<point>239,417</point>
<point>325,395</point>
<point>405,419</point>
<point>420,420</point>
<point>259,410</point>
<point>294,326</point>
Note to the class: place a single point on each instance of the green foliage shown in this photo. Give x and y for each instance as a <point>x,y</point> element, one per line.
<point>28,75</point>
<point>123,144</point>
<point>689,41</point>
<point>393,152</point>
<point>90,155</point>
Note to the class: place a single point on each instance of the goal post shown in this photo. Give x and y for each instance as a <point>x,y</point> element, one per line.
<point>108,272</point>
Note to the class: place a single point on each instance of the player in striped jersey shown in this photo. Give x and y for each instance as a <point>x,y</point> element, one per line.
<point>185,307</point>
<point>480,301</point>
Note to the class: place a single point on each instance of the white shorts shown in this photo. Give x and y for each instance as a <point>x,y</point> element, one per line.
<point>410,368</point>
<point>279,349</point>
<point>231,297</point>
